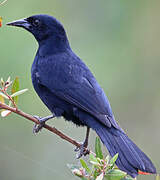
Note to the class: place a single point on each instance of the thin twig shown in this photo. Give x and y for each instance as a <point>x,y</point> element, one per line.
<point>31,118</point>
<point>9,97</point>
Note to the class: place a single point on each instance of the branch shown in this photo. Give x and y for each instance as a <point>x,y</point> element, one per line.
<point>49,128</point>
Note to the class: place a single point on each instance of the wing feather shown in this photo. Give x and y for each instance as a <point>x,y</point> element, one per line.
<point>75,84</point>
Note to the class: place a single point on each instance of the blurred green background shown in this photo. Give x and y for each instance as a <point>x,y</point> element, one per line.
<point>119,41</point>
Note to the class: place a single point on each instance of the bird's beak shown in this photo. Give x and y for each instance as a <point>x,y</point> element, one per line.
<point>20,23</point>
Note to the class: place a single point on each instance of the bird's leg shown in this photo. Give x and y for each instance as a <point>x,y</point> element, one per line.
<point>83,147</point>
<point>38,127</point>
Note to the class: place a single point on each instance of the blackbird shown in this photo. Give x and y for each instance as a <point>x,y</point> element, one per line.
<point>68,88</point>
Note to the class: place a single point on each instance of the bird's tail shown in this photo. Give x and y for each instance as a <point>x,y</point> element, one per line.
<point>130,158</point>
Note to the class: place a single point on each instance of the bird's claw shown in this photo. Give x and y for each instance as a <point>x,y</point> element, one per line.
<point>77,149</point>
<point>83,150</point>
<point>42,120</point>
<point>38,127</point>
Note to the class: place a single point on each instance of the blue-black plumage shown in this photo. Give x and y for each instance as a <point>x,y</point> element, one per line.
<point>69,89</point>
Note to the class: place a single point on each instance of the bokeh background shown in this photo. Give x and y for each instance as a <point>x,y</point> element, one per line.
<point>119,41</point>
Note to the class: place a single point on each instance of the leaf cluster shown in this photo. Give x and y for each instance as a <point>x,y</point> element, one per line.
<point>9,94</point>
<point>99,168</point>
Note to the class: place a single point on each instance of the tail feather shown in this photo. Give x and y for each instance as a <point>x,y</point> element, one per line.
<point>131,159</point>
<point>114,148</point>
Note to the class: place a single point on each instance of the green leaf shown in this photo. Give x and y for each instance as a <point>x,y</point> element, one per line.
<point>84,165</point>
<point>115,174</point>
<point>95,174</point>
<point>113,160</point>
<point>93,158</point>
<point>100,177</point>
<point>19,93</point>
<point>14,89</point>
<point>1,99</point>
<point>2,82</point>
<point>95,163</point>
<point>98,149</point>
<point>1,94</point>
<point>107,159</point>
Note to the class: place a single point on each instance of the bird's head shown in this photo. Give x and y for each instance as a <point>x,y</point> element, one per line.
<point>42,27</point>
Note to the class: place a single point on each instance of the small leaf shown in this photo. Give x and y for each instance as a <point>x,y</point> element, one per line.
<point>19,93</point>
<point>14,89</point>
<point>95,163</point>
<point>2,82</point>
<point>113,160</point>
<point>1,99</point>
<point>107,159</point>
<point>5,113</point>
<point>95,174</point>
<point>8,82</point>
<point>15,86</point>
<point>3,95</point>
<point>93,158</point>
<point>100,177</point>
<point>115,174</point>
<point>98,149</point>
<point>100,160</point>
<point>84,165</point>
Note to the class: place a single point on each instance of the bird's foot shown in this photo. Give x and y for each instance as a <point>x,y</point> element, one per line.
<point>83,151</point>
<point>38,127</point>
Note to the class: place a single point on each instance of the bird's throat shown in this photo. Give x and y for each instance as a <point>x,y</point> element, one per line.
<point>53,45</point>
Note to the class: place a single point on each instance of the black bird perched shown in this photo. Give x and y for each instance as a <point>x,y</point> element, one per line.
<point>69,89</point>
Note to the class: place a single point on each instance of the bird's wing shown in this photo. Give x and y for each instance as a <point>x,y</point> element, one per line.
<point>90,101</point>
<point>76,85</point>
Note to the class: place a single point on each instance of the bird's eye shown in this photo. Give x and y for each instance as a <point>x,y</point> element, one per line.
<point>36,22</point>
